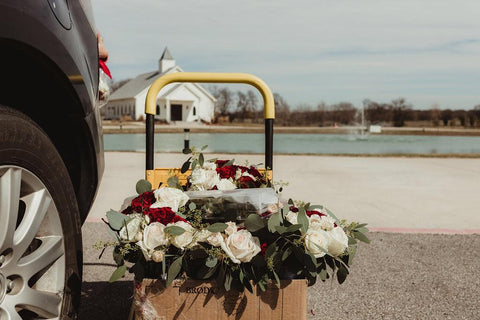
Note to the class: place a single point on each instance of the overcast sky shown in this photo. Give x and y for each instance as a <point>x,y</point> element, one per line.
<point>308,51</point>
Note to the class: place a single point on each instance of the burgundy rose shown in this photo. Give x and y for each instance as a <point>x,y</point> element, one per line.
<point>128,210</point>
<point>221,163</point>
<point>143,202</point>
<point>227,172</point>
<point>246,182</point>
<point>164,215</point>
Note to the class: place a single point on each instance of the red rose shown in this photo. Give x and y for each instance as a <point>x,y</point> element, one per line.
<point>227,172</point>
<point>143,202</point>
<point>128,210</point>
<point>164,215</point>
<point>246,182</point>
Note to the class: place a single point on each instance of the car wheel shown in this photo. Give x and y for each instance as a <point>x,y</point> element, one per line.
<point>40,229</point>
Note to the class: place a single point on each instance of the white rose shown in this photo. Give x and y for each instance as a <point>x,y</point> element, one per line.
<point>158,255</point>
<point>169,197</point>
<point>202,179</point>
<point>315,239</point>
<point>292,217</point>
<point>338,241</point>
<point>226,184</point>
<point>243,245</point>
<point>133,226</point>
<point>186,239</point>
<point>153,236</point>
<point>231,228</point>
<point>207,165</point>
<point>202,235</point>
<point>215,239</point>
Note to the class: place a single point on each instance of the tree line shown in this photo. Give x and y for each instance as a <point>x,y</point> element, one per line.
<point>241,106</point>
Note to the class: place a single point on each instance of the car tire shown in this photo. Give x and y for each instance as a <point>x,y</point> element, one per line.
<point>40,228</point>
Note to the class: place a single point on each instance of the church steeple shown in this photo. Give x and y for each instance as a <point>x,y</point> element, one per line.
<point>166,61</point>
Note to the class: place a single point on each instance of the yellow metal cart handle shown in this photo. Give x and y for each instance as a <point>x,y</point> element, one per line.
<point>209,77</point>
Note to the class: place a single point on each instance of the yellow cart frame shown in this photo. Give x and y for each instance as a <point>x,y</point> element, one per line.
<point>205,77</point>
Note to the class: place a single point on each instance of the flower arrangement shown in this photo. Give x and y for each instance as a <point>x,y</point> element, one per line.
<point>164,233</point>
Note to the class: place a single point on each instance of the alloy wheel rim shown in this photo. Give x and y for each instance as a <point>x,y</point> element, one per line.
<point>32,252</point>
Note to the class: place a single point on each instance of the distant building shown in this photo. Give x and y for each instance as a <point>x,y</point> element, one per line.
<point>175,102</point>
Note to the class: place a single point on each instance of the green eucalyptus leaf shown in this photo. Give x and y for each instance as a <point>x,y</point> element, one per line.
<point>194,164</point>
<point>116,220</point>
<point>274,221</point>
<point>143,186</point>
<point>277,278</point>
<point>204,147</point>
<point>228,281</point>
<point>330,213</point>
<point>174,270</point>
<point>360,236</point>
<point>217,227</point>
<point>174,230</point>
<point>286,254</point>
<point>303,219</point>
<point>261,284</point>
<point>172,181</point>
<point>352,241</point>
<point>280,229</point>
<point>118,273</point>
<point>293,228</point>
<point>228,163</point>
<point>201,159</point>
<point>254,222</point>
<point>361,229</point>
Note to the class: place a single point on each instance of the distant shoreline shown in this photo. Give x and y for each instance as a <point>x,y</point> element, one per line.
<point>110,127</point>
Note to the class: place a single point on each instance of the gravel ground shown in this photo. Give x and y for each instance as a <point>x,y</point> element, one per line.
<point>397,276</point>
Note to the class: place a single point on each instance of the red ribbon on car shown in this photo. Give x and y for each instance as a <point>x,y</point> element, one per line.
<point>104,67</point>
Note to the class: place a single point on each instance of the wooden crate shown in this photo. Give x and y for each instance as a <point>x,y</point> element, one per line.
<point>193,299</point>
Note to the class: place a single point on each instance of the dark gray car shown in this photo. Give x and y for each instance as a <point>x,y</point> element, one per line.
<point>51,153</point>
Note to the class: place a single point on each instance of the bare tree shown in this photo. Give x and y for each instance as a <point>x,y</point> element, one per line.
<point>282,109</point>
<point>401,112</point>
<point>224,99</point>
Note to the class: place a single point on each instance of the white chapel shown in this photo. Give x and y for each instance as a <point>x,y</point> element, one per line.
<point>185,102</point>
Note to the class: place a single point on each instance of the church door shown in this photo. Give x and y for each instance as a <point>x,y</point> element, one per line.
<point>176,112</point>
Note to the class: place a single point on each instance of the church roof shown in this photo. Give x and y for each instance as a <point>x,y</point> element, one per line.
<point>166,55</point>
<point>133,87</point>
<point>136,85</point>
